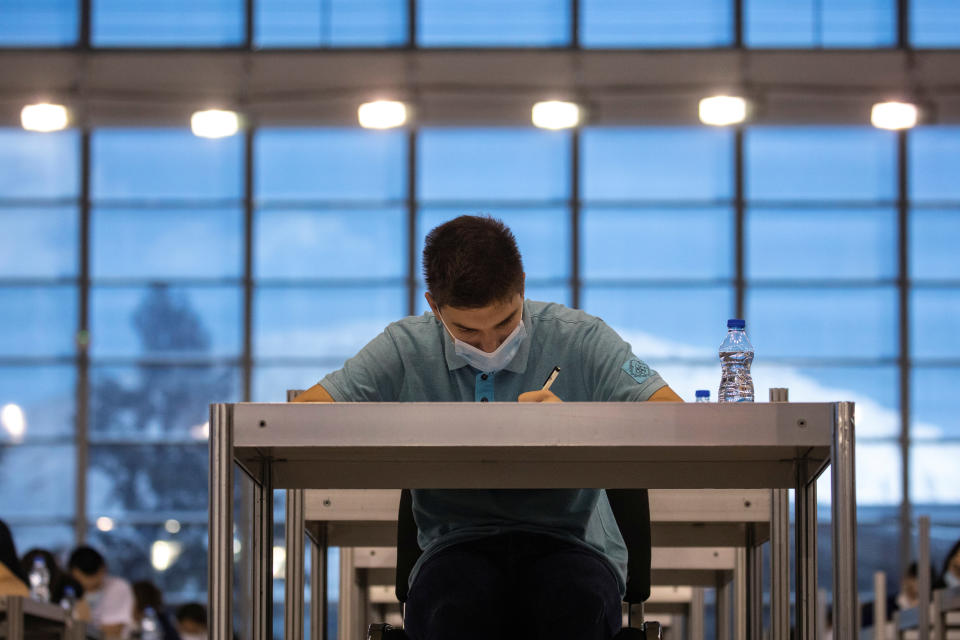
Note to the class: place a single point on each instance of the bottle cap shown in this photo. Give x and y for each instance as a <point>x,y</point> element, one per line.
<point>39,562</point>
<point>736,323</point>
<point>703,393</point>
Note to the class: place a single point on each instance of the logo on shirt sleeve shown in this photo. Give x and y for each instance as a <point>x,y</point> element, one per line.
<point>636,369</point>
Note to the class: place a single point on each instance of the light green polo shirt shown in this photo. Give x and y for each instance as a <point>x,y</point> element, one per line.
<point>413,360</point>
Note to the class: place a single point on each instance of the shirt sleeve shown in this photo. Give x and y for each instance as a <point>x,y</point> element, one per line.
<point>612,370</point>
<point>375,374</point>
<point>117,604</point>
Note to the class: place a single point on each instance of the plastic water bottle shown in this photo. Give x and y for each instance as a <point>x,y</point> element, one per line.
<point>736,356</point>
<point>40,580</point>
<point>150,625</point>
<point>703,395</point>
<point>69,599</point>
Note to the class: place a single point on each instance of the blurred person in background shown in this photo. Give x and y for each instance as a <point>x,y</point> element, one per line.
<point>110,597</point>
<point>192,621</point>
<point>909,596</point>
<point>950,575</point>
<point>148,595</point>
<point>13,581</point>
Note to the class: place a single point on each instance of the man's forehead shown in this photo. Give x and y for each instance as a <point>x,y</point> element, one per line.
<point>484,317</point>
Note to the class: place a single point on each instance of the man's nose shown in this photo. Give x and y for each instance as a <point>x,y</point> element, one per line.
<point>490,343</point>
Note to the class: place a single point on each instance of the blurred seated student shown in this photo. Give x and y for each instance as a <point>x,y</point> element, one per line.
<point>67,583</point>
<point>110,597</point>
<point>192,621</point>
<point>148,595</point>
<point>909,596</point>
<point>950,574</point>
<point>13,582</point>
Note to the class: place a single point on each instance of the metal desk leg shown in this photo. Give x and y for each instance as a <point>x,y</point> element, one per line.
<point>318,589</point>
<point>220,568</point>
<point>695,628</point>
<point>740,594</point>
<point>262,627</point>
<point>844,524</point>
<point>805,539</point>
<point>293,579</point>
<point>15,628</point>
<point>923,577</point>
<point>724,594</point>
<point>780,564</point>
<point>754,568</point>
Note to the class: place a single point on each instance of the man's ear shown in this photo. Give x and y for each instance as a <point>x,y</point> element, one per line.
<point>430,301</point>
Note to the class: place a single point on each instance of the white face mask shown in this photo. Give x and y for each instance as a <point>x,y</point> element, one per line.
<point>489,362</point>
<point>951,579</point>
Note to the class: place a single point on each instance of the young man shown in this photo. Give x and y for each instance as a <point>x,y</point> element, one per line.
<point>497,563</point>
<point>110,597</point>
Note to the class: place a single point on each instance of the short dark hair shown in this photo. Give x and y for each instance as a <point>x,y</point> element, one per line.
<point>193,611</point>
<point>87,559</point>
<point>471,262</point>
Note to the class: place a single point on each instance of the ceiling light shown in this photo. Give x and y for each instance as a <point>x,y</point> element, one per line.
<point>214,123</point>
<point>164,553</point>
<point>44,117</point>
<point>555,114</point>
<point>721,111</point>
<point>894,115</point>
<point>382,114</point>
<point>105,524</point>
<point>13,421</point>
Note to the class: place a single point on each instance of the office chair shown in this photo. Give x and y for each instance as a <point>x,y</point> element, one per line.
<point>631,508</point>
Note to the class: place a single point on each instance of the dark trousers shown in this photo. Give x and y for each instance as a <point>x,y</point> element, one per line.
<point>514,586</point>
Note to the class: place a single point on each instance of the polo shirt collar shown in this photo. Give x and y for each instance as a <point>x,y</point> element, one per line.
<point>517,365</point>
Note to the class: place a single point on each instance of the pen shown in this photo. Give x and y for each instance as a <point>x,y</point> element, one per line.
<point>550,378</point>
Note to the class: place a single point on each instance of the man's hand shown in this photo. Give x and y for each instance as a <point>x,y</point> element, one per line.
<point>538,396</point>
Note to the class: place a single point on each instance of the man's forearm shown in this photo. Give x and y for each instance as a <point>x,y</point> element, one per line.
<point>316,393</point>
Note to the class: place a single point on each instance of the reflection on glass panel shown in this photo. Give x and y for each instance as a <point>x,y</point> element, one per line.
<point>31,23</point>
<point>658,23</point>
<point>875,390</point>
<point>934,237</point>
<point>821,243</point>
<point>168,23</point>
<point>300,322</point>
<point>672,243</point>
<point>493,164</point>
<point>57,538</point>
<point>165,322</point>
<point>167,243</point>
<point>473,23</point>
<point>661,323</point>
<point>39,165</point>
<point>934,473</point>
<point>934,23</point>
<point>934,153</point>
<point>162,404</point>
<point>933,326</point>
<point>38,243</point>
<point>823,323</point>
<point>270,383</point>
<point>175,562</point>
<point>145,164</point>
<point>38,403</point>
<point>43,476</point>
<point>352,243</point>
<point>37,321</point>
<point>136,481</point>
<point>330,164</point>
<point>812,23</point>
<point>820,163</point>
<point>542,233</point>
<point>657,163</point>
<point>934,412</point>
<point>330,23</point>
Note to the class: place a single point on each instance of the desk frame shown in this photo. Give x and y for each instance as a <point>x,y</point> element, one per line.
<point>466,445</point>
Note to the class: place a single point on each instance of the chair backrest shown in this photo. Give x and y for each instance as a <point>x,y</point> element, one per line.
<point>631,508</point>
